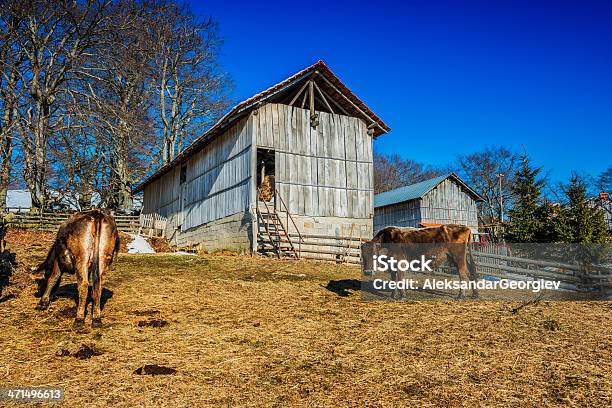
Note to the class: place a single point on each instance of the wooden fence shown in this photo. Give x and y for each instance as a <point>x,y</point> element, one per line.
<point>50,221</point>
<point>499,261</point>
<point>152,225</point>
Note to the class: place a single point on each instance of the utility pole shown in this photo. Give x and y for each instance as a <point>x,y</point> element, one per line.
<point>501,197</point>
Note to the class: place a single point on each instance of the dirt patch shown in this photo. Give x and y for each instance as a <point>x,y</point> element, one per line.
<point>124,239</point>
<point>22,237</point>
<point>551,325</point>
<point>86,352</point>
<point>154,369</point>
<point>153,323</point>
<point>160,245</point>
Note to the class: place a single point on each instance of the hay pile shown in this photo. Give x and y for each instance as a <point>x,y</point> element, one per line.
<point>243,331</point>
<point>266,189</point>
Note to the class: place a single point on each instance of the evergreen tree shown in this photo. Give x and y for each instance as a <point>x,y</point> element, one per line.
<point>528,216</point>
<point>580,222</point>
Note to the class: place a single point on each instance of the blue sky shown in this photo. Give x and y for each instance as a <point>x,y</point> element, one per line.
<point>448,77</point>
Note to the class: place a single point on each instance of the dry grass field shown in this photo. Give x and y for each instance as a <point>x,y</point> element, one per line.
<point>243,331</point>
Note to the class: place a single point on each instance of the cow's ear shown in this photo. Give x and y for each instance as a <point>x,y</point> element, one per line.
<point>37,273</point>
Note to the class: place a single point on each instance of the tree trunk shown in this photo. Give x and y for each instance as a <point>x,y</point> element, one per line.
<point>6,153</point>
<point>36,160</point>
<point>6,137</point>
<point>123,189</point>
<point>5,171</point>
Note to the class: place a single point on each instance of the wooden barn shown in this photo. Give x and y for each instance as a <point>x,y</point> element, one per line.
<point>441,200</point>
<point>288,171</point>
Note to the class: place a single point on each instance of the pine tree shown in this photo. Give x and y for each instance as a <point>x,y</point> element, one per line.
<point>528,216</point>
<point>580,222</point>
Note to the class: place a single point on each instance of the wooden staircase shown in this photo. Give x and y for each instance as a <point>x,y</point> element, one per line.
<point>272,235</point>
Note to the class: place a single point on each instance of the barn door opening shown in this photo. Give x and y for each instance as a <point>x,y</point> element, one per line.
<point>266,168</point>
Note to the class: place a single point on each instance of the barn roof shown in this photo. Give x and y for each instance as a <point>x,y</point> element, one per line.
<point>283,92</point>
<point>418,190</point>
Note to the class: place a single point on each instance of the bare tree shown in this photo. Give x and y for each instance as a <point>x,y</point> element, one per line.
<point>76,170</point>
<point>603,182</point>
<point>11,59</point>
<point>116,93</point>
<point>190,87</point>
<point>482,170</point>
<point>98,91</point>
<point>54,36</point>
<point>392,172</point>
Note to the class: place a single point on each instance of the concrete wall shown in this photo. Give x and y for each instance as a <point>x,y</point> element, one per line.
<point>233,232</point>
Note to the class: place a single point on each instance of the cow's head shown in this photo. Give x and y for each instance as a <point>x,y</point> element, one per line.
<point>369,250</point>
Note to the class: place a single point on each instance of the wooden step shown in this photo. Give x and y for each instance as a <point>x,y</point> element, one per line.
<point>272,237</point>
<point>266,215</point>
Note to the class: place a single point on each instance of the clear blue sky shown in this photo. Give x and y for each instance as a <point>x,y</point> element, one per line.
<point>448,77</point>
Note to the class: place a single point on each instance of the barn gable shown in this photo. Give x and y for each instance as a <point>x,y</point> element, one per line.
<point>316,88</point>
<point>418,190</point>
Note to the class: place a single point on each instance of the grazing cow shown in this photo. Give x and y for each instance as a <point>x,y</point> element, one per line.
<point>449,241</point>
<point>86,244</point>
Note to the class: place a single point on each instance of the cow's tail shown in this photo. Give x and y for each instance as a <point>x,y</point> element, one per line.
<point>470,260</point>
<point>94,270</point>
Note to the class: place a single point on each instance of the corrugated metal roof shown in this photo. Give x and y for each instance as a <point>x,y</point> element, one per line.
<point>407,193</point>
<point>418,190</point>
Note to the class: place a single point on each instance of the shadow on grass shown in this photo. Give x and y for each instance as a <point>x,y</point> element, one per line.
<point>7,264</point>
<point>69,291</point>
<point>344,287</point>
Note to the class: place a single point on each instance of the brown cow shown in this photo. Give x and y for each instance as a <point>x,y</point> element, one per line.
<point>451,242</point>
<point>86,244</point>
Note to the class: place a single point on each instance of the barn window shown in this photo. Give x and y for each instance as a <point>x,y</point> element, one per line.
<point>183,177</point>
<point>266,166</point>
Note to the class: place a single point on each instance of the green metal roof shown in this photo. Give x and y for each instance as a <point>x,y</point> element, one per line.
<point>418,190</point>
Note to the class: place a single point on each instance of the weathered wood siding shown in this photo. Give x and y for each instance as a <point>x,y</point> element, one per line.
<point>162,196</point>
<point>445,204</point>
<point>406,214</point>
<point>449,204</point>
<point>217,185</point>
<point>322,172</point>
<point>218,178</point>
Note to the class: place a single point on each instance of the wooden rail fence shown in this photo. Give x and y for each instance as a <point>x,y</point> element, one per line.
<point>152,224</point>
<point>50,221</point>
<point>497,262</point>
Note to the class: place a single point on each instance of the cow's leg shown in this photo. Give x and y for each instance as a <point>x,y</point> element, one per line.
<point>96,294</point>
<point>395,293</point>
<point>463,274</point>
<point>400,275</point>
<point>45,299</point>
<point>82,288</point>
